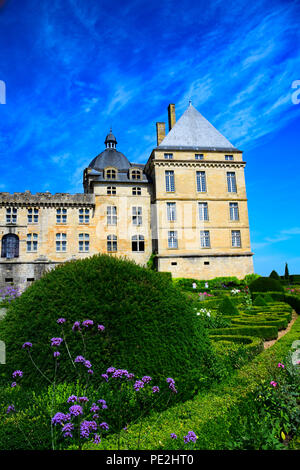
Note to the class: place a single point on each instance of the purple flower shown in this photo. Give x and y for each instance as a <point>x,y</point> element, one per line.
<point>10,409</point>
<point>138,385</point>
<point>102,403</point>
<point>76,410</point>
<point>13,384</point>
<point>110,370</point>
<point>171,383</point>
<point>67,428</point>
<point>105,377</point>
<point>87,323</point>
<point>56,341</point>
<point>119,373</point>
<point>87,364</point>
<point>173,435</point>
<point>155,389</point>
<point>90,371</point>
<point>146,379</point>
<point>60,321</point>
<point>97,439</point>
<point>27,345</point>
<point>17,373</point>
<point>76,326</point>
<point>59,418</point>
<point>104,426</point>
<point>101,327</point>
<point>86,427</point>
<point>56,354</point>
<point>72,399</point>
<point>190,437</point>
<point>83,399</point>
<point>94,408</point>
<point>79,359</point>
<point>130,376</point>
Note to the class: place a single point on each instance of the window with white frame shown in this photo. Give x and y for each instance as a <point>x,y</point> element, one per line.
<point>111,215</point>
<point>236,238</point>
<point>11,215</point>
<point>172,239</point>
<point>84,215</point>
<point>204,239</point>
<point>138,243</point>
<point>33,215</point>
<point>111,174</point>
<point>234,211</point>
<point>203,210</point>
<point>61,216</point>
<point>231,182</point>
<point>32,242</point>
<point>136,174</point>
<point>170,181</point>
<point>199,156</point>
<point>201,181</point>
<point>112,243</point>
<point>111,190</point>
<point>171,211</point>
<point>229,157</point>
<point>61,242</point>
<point>137,216</point>
<point>136,191</point>
<point>168,156</point>
<point>84,242</point>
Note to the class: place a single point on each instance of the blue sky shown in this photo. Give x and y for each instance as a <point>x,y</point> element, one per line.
<point>73,68</point>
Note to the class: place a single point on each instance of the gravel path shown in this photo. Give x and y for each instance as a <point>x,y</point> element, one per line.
<point>281,333</point>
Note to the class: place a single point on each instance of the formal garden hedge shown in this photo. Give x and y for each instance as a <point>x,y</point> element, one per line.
<point>212,415</point>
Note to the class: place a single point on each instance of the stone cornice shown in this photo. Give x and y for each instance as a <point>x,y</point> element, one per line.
<point>205,255</point>
<point>199,163</point>
<point>27,199</point>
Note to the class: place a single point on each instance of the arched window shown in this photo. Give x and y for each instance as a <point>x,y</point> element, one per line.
<point>135,174</point>
<point>10,246</point>
<point>138,243</point>
<point>111,174</point>
<point>136,191</point>
<point>112,243</point>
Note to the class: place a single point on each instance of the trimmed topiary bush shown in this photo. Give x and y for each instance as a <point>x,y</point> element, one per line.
<point>227,307</point>
<point>265,284</point>
<point>259,301</point>
<point>150,327</point>
<point>275,275</point>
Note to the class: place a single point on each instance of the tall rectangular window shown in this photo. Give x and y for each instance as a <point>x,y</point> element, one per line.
<point>84,215</point>
<point>137,216</point>
<point>168,156</point>
<point>61,216</point>
<point>170,182</point>
<point>83,242</point>
<point>203,210</point>
<point>171,211</point>
<point>32,241</point>
<point>234,211</point>
<point>204,239</point>
<point>111,215</point>
<point>231,182</point>
<point>33,216</point>
<point>61,242</point>
<point>11,215</point>
<point>112,243</point>
<point>138,243</point>
<point>236,238</point>
<point>172,239</point>
<point>201,181</point>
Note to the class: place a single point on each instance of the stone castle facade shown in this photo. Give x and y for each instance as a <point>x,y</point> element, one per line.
<point>187,205</point>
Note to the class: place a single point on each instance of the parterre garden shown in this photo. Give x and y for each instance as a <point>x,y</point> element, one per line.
<point>104,354</point>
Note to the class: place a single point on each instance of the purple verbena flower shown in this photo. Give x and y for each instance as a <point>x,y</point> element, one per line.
<point>105,377</point>
<point>59,418</point>
<point>101,327</point>
<point>76,326</point>
<point>86,427</point>
<point>60,321</point>
<point>104,426</point>
<point>72,399</point>
<point>97,439</point>
<point>66,430</point>
<point>79,359</point>
<point>10,409</point>
<point>17,373</point>
<point>102,403</point>
<point>146,379</point>
<point>94,408</point>
<point>76,410</point>
<point>138,385</point>
<point>56,354</point>
<point>87,364</point>
<point>56,341</point>
<point>190,437</point>
<point>87,323</point>
<point>83,399</point>
<point>173,435</point>
<point>110,370</point>
<point>155,389</point>
<point>27,345</point>
<point>13,384</point>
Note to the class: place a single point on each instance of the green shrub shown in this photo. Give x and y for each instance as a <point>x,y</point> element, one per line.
<point>265,332</point>
<point>259,301</point>
<point>227,307</point>
<point>250,278</point>
<point>150,326</point>
<point>268,298</point>
<point>265,284</point>
<point>275,275</point>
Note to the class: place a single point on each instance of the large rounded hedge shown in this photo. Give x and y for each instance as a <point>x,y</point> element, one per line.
<point>266,284</point>
<point>150,327</point>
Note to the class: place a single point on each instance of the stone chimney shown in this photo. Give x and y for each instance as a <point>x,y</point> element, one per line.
<point>171,114</point>
<point>160,131</point>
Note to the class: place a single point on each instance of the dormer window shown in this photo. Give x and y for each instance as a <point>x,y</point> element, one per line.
<point>110,174</point>
<point>136,174</point>
<point>229,157</point>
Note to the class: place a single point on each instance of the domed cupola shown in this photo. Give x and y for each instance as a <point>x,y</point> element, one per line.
<point>110,140</point>
<point>110,157</point>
